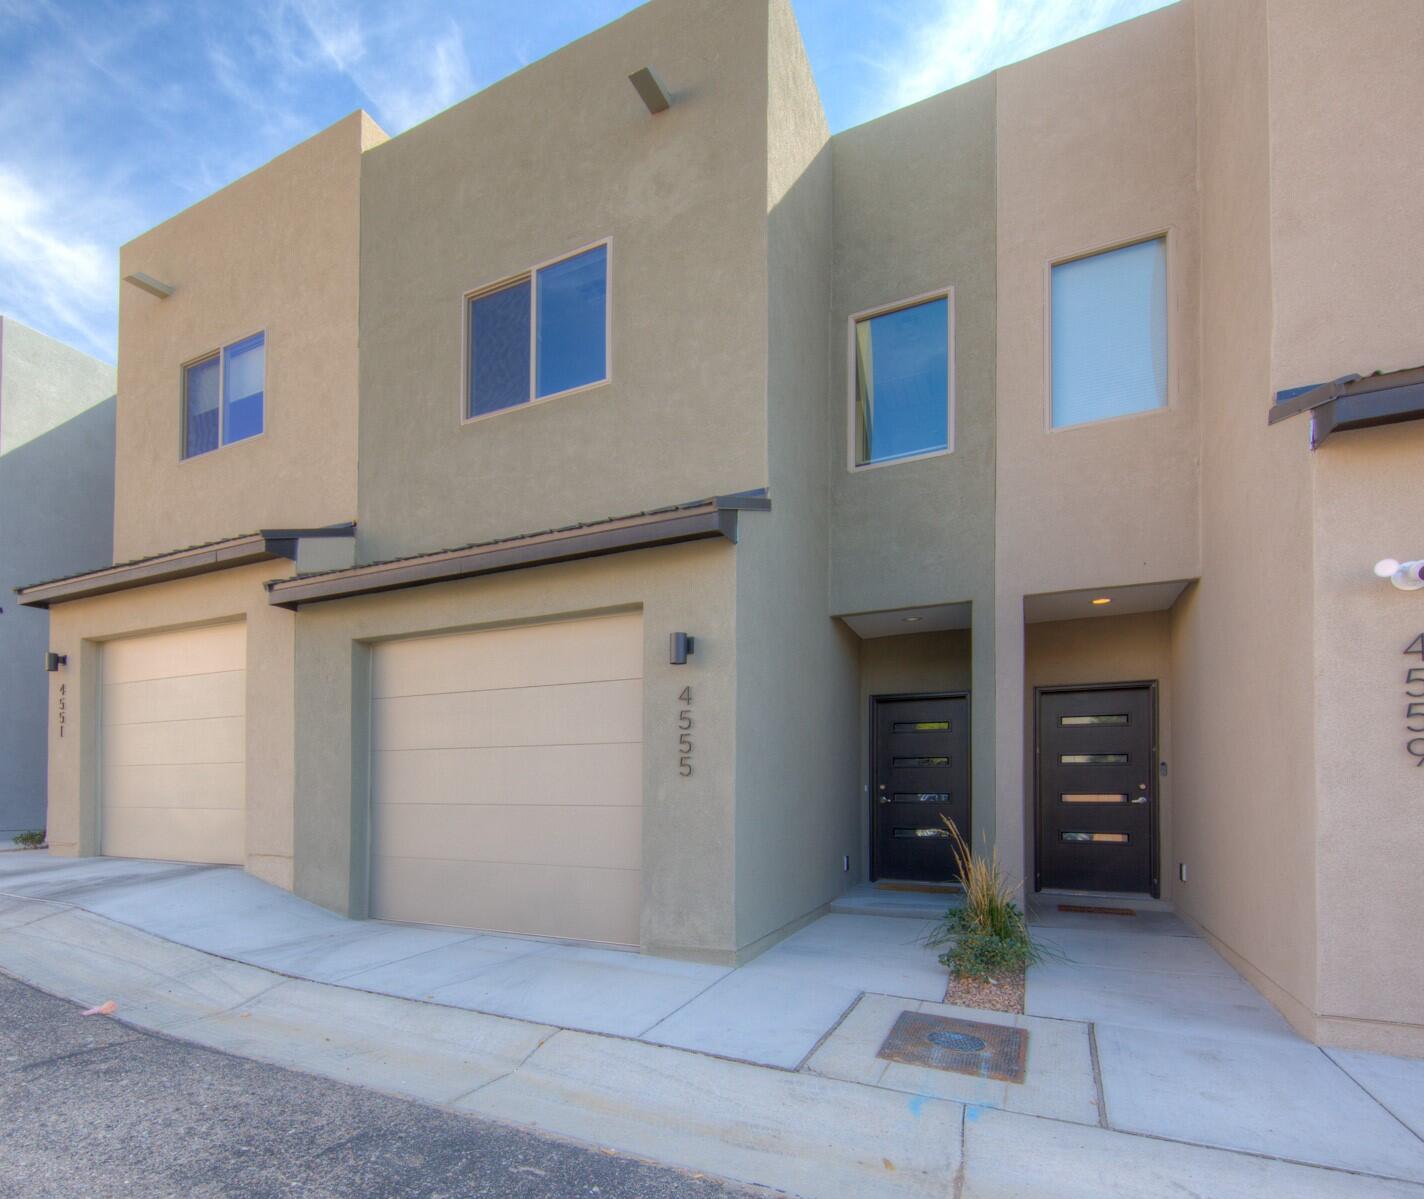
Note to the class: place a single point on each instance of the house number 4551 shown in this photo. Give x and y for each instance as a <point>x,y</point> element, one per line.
<point>684,736</point>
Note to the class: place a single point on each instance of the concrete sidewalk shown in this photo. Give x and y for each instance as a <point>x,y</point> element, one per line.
<point>1151,1065</point>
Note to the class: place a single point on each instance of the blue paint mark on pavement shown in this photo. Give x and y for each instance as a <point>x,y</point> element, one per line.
<point>917,1102</point>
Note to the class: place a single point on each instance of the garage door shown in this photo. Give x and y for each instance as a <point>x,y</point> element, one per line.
<point>506,779</point>
<point>172,745</point>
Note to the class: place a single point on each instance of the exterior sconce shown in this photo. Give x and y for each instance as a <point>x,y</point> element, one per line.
<point>54,661</point>
<point>1407,576</point>
<point>680,645</point>
<point>650,90</point>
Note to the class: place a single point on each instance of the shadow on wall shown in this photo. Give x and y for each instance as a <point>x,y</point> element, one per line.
<point>56,518</point>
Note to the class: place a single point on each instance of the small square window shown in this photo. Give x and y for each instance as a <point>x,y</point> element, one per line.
<point>1109,334</point>
<point>902,382</point>
<point>539,336</point>
<point>223,396</point>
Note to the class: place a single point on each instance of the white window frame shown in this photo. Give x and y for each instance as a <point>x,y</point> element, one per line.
<point>532,274</point>
<point>941,293</point>
<point>1167,235</point>
<point>183,455</point>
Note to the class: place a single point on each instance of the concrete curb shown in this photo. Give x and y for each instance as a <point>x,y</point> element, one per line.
<point>802,1134</point>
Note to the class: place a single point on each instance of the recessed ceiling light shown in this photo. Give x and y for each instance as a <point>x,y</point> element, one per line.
<point>1102,599</point>
<point>912,619</point>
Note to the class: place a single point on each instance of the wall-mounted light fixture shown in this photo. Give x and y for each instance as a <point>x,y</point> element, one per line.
<point>149,284</point>
<point>679,646</point>
<point>650,90</point>
<point>54,661</point>
<point>1407,576</point>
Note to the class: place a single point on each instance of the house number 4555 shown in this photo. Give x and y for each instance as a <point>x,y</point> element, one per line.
<point>684,736</point>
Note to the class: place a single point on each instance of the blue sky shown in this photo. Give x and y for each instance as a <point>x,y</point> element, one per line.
<point>115,114</point>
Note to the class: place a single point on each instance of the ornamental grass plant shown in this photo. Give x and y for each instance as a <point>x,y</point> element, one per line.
<point>987,935</point>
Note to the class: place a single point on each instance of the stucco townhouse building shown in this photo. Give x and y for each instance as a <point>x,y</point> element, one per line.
<point>56,515</point>
<point>626,512</point>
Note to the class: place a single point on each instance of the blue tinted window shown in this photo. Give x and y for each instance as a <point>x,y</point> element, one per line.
<point>243,369</point>
<point>573,310</point>
<point>499,349</point>
<point>1110,334</point>
<point>200,404</point>
<point>902,382</point>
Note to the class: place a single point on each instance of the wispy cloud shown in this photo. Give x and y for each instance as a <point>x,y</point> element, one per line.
<point>958,40</point>
<point>48,272</point>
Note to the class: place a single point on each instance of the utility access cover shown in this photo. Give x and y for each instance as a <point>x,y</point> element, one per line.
<point>962,1046</point>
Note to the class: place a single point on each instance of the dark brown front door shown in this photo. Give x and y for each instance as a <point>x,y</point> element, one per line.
<point>1097,789</point>
<point>919,772</point>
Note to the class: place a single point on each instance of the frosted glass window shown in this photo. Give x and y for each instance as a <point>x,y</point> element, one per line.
<point>223,396</point>
<point>539,336</point>
<point>243,371</point>
<point>1109,335</point>
<point>902,383</point>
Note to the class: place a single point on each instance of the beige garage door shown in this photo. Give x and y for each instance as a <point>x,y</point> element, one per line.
<point>506,779</point>
<point>172,745</point>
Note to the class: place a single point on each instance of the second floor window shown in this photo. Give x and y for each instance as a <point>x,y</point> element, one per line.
<point>540,335</point>
<point>223,396</point>
<point>903,381</point>
<point>1108,337</point>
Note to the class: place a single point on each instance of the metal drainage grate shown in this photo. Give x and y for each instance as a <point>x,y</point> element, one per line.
<point>997,1051</point>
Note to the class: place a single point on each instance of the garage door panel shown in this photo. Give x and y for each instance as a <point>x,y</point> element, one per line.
<point>554,835</point>
<point>175,834</point>
<point>565,774</point>
<point>173,745</point>
<point>176,785</point>
<point>528,656</point>
<point>210,649</point>
<point>506,774</point>
<point>217,741</point>
<point>573,713</point>
<point>589,904</point>
<point>189,697</point>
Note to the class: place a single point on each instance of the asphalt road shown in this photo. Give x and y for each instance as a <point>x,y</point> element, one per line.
<point>90,1108</point>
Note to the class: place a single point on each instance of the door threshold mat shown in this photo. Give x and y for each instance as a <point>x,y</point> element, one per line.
<point>972,1047</point>
<point>1095,911</point>
<point>922,888</point>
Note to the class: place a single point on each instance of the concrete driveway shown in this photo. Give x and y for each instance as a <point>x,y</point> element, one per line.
<point>1144,1048</point>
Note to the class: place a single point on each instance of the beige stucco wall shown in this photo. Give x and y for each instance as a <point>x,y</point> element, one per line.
<point>1346,246</point>
<point>1242,657</point>
<point>78,629</point>
<point>687,822</point>
<point>796,810</point>
<point>545,162</point>
<point>1096,147</point>
<point>276,252</point>
<point>1105,649</point>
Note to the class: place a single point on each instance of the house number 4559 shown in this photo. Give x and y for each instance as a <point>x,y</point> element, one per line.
<point>684,736</point>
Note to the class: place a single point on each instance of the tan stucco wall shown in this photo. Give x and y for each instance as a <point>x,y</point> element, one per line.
<point>78,630</point>
<point>795,666</point>
<point>687,822</point>
<point>1105,649</point>
<point>1242,655</point>
<point>1096,147</point>
<point>275,252</point>
<point>915,213</point>
<point>1346,248</point>
<point>545,162</point>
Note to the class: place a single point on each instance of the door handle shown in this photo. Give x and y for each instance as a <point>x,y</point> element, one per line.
<point>1140,798</point>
